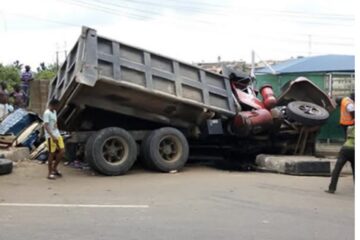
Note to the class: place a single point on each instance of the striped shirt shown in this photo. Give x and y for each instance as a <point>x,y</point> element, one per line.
<point>26,77</point>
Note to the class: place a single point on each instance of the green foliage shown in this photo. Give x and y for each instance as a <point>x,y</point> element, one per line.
<point>18,65</point>
<point>46,72</point>
<point>10,74</point>
<point>45,75</point>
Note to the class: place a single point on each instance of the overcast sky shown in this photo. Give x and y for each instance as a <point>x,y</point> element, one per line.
<point>189,30</point>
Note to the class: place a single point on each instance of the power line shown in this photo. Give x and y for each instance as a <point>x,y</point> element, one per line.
<point>206,4</point>
<point>300,41</point>
<point>203,7</point>
<point>142,16</point>
<point>295,16</point>
<point>109,8</point>
<point>44,19</point>
<point>113,11</point>
<point>105,9</point>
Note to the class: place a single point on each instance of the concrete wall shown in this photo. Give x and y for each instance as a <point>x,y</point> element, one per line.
<point>39,92</point>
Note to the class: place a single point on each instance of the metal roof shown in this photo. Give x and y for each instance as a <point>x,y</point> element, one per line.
<point>323,63</point>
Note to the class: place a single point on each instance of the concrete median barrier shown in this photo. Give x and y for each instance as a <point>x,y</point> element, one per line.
<point>298,165</point>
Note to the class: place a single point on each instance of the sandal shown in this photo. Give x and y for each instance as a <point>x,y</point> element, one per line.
<point>57,173</point>
<point>51,177</point>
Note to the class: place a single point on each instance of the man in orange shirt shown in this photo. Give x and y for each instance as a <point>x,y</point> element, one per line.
<point>347,106</point>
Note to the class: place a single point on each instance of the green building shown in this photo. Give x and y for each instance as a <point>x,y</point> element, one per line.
<point>335,74</point>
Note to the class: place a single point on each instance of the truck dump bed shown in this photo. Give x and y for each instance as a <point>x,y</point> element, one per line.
<point>107,76</point>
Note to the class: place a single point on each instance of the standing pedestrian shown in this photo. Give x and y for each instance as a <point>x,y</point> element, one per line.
<point>347,153</point>
<point>19,97</point>
<point>346,107</point>
<point>26,78</point>
<point>5,108</point>
<point>4,87</point>
<point>55,142</point>
<point>4,111</point>
<point>4,94</point>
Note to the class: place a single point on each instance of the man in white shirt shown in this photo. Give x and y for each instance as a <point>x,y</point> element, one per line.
<point>55,142</point>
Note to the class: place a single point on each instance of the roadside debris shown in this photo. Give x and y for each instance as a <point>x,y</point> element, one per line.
<point>23,129</point>
<point>6,166</point>
<point>78,164</point>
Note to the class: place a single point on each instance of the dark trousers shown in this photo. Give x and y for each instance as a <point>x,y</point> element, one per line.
<point>26,88</point>
<point>345,127</point>
<point>346,154</point>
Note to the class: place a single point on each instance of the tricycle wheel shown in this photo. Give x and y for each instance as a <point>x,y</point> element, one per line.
<point>306,113</point>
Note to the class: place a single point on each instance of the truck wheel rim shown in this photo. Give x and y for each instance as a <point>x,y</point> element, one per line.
<point>115,150</point>
<point>309,110</point>
<point>170,148</point>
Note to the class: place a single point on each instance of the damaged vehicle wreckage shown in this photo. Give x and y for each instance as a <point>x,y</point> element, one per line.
<point>20,129</point>
<point>122,103</point>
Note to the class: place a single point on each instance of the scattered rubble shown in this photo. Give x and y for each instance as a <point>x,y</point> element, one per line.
<point>21,136</point>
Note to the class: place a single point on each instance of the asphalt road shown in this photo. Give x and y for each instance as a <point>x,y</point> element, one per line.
<point>198,203</point>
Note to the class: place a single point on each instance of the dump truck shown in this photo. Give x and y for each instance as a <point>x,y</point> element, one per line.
<point>126,103</point>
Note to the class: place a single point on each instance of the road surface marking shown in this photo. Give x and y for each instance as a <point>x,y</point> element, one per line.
<point>70,205</point>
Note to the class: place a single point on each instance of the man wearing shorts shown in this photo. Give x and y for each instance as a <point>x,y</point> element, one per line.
<point>54,140</point>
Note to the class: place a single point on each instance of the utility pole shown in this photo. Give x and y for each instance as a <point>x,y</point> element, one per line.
<point>61,51</point>
<point>65,51</point>
<point>57,56</point>
<point>266,64</point>
<point>252,73</point>
<point>309,44</point>
<point>4,19</point>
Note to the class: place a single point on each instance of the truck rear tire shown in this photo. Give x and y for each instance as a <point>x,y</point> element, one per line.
<point>111,151</point>
<point>145,160</point>
<point>165,150</point>
<point>88,151</point>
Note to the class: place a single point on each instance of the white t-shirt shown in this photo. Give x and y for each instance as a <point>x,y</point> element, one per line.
<point>5,109</point>
<point>50,117</point>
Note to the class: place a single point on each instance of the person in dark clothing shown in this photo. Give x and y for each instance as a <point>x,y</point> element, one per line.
<point>19,97</point>
<point>347,105</point>
<point>3,87</point>
<point>26,78</point>
<point>3,93</point>
<point>347,153</point>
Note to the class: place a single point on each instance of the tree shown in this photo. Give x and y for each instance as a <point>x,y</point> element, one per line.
<point>10,74</point>
<point>18,65</point>
<point>46,72</point>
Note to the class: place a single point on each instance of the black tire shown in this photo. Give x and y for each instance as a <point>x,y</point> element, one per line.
<point>111,151</point>
<point>306,113</point>
<point>144,145</point>
<point>6,166</point>
<point>165,150</point>
<point>88,151</point>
